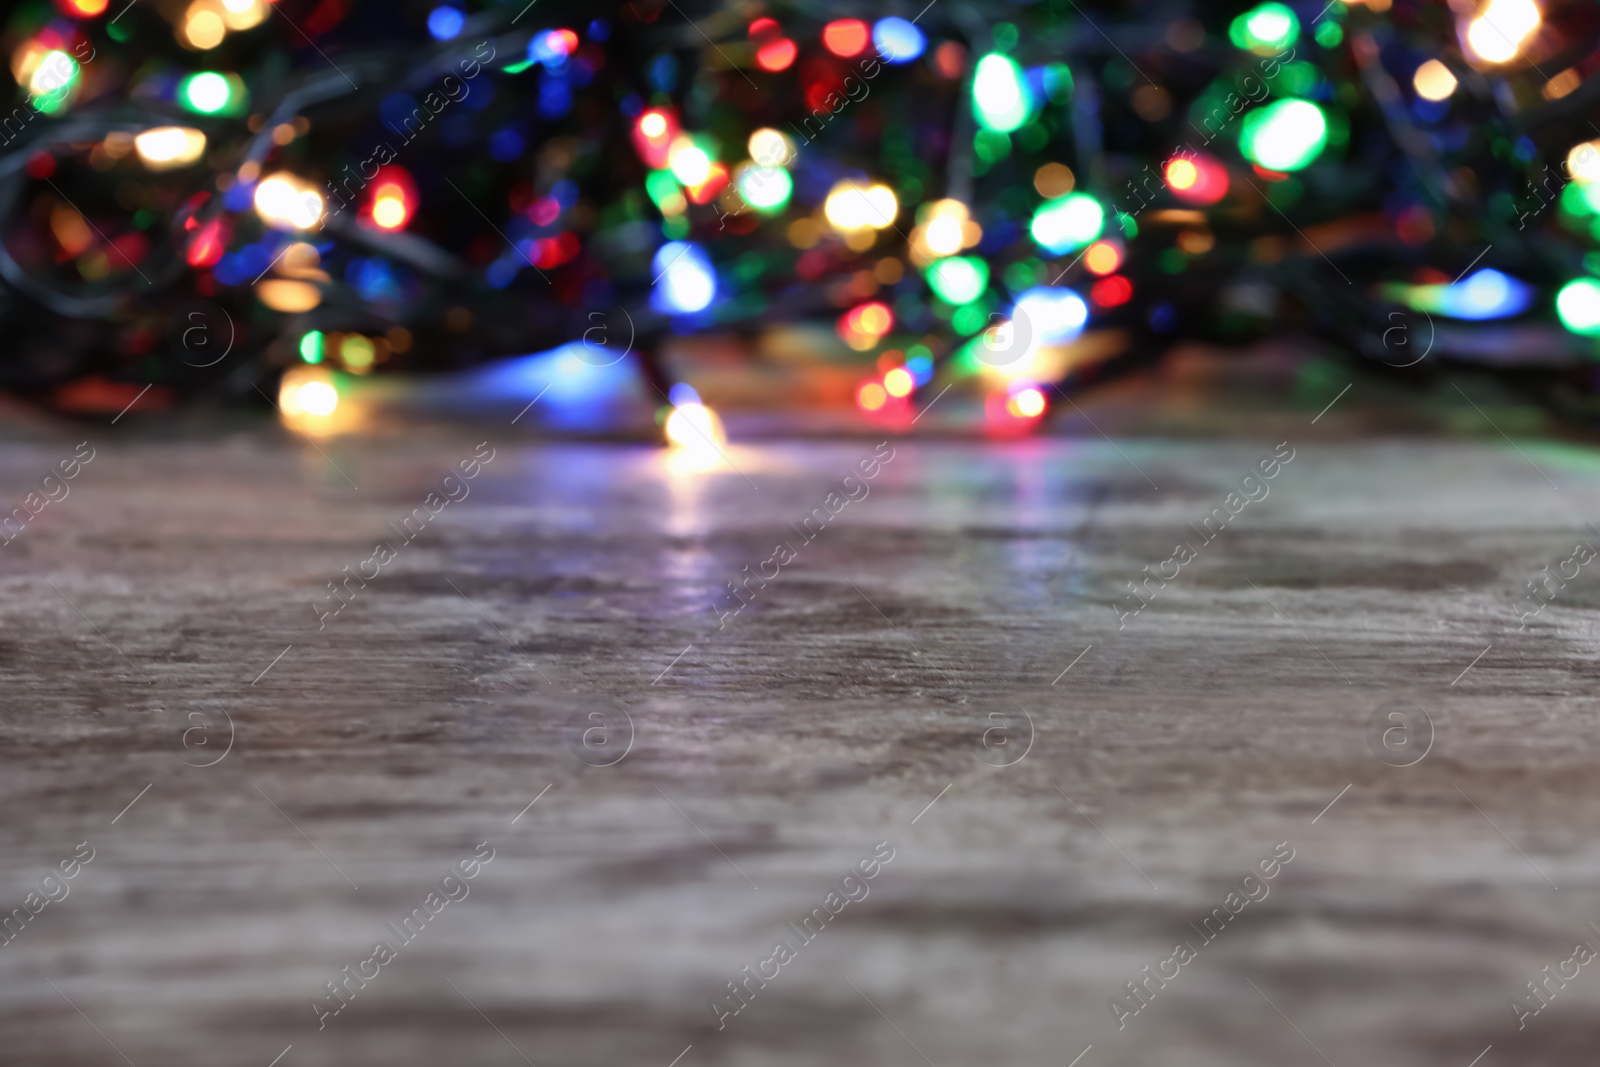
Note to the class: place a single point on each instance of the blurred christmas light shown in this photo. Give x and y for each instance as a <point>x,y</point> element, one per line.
<point>1000,96</point>
<point>394,199</point>
<point>696,429</point>
<point>1027,403</point>
<point>1583,162</point>
<point>943,235</point>
<point>1486,294</point>
<point>845,37</point>
<point>288,296</point>
<point>1265,30</point>
<point>1054,316</point>
<point>898,40</point>
<point>165,147</point>
<point>552,47</point>
<point>1198,179</point>
<point>207,245</point>
<point>305,396</point>
<point>1498,33</point>
<point>1433,81</point>
<point>959,279</point>
<point>685,281</point>
<point>208,93</point>
<point>871,396</point>
<point>863,327</point>
<point>852,207</point>
<point>243,14</point>
<point>704,190</point>
<point>202,27</point>
<point>287,203</point>
<point>311,347</point>
<point>1284,136</point>
<point>770,148</point>
<point>654,133</point>
<point>317,398</point>
<point>774,52</point>
<point>767,189</point>
<point>1068,223</point>
<point>689,163</point>
<point>1054,180</point>
<point>1578,306</point>
<point>944,228</point>
<point>899,382</point>
<point>52,79</point>
<point>1102,257</point>
<point>445,23</point>
<point>357,353</point>
<point>84,9</point>
<point>1111,292</point>
<point>663,189</point>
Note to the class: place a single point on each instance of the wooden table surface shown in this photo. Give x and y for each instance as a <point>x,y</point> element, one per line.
<point>265,800</point>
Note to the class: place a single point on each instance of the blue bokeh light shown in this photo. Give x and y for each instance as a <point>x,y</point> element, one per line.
<point>685,279</point>
<point>897,40</point>
<point>445,23</point>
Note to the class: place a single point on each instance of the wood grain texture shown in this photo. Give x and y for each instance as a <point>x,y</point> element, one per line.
<point>770,755</point>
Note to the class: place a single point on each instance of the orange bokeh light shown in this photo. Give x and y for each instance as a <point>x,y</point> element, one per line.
<point>871,396</point>
<point>845,37</point>
<point>1103,257</point>
<point>776,56</point>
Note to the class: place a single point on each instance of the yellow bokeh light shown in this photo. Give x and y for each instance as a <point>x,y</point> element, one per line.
<point>770,148</point>
<point>1181,174</point>
<point>899,382</point>
<point>1583,162</point>
<point>1026,404</point>
<point>243,14</point>
<point>852,207</point>
<point>203,27</point>
<point>389,212</point>
<point>696,428</point>
<point>943,235</point>
<point>169,146</point>
<point>281,294</point>
<point>689,163</point>
<point>285,202</point>
<point>306,397</point>
<point>1497,35</point>
<point>1433,81</point>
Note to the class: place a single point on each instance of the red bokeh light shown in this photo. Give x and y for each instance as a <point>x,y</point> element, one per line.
<point>207,245</point>
<point>778,55</point>
<point>1198,179</point>
<point>774,52</point>
<point>1111,292</point>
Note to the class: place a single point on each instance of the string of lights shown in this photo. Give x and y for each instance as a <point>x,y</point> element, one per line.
<point>1015,200</point>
